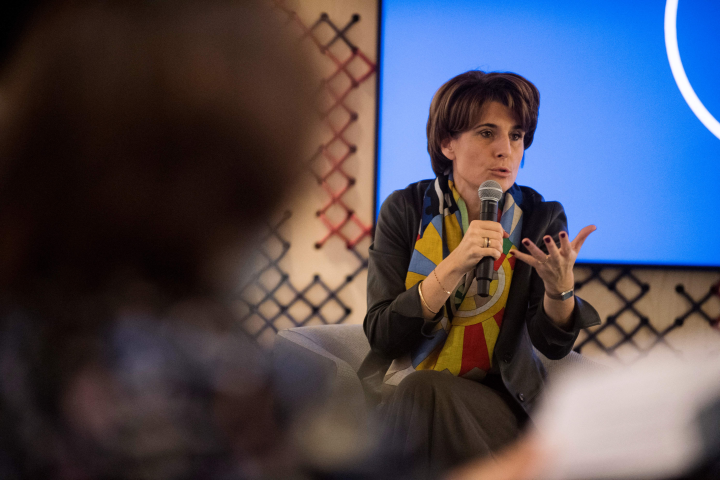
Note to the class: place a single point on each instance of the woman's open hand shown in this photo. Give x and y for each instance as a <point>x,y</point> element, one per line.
<point>555,268</point>
<point>474,246</point>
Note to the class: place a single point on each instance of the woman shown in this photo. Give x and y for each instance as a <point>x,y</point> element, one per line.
<point>465,370</point>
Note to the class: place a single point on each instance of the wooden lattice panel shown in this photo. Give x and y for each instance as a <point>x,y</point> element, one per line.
<point>274,298</point>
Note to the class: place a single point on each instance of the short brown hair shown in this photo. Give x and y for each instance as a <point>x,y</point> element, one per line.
<point>459,103</point>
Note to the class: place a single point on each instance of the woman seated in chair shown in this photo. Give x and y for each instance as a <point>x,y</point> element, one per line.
<point>464,375</point>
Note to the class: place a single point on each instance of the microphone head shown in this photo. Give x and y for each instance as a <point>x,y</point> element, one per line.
<point>490,190</point>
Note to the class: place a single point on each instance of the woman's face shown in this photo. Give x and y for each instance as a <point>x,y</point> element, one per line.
<point>492,150</point>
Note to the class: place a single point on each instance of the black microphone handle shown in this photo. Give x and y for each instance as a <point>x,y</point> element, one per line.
<point>484,271</point>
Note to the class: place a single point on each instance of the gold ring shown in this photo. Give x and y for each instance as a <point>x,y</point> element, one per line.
<point>487,242</point>
<point>547,257</point>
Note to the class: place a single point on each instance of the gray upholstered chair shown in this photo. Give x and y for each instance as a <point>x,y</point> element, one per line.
<point>335,352</point>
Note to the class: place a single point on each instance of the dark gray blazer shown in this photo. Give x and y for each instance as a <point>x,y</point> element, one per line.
<point>394,322</point>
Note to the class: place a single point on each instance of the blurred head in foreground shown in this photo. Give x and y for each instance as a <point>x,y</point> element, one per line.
<point>142,143</point>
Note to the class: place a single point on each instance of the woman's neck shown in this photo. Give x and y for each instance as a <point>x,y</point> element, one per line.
<point>471,199</point>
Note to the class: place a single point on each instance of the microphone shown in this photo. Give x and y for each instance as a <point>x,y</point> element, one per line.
<point>490,193</point>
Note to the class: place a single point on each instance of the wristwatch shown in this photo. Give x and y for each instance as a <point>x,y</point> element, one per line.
<point>563,296</point>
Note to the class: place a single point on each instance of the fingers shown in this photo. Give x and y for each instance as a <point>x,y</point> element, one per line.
<point>562,256</point>
<point>482,231</point>
<point>490,247</point>
<point>529,259</point>
<point>556,267</point>
<point>498,244</point>
<point>538,254</point>
<point>582,236</point>
<point>487,228</point>
<point>494,248</point>
<point>565,245</point>
<point>552,249</point>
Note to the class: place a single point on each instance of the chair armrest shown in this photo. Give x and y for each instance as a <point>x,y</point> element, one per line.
<point>345,342</point>
<point>326,359</point>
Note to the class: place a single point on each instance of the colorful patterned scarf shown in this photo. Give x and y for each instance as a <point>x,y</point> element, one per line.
<point>464,340</point>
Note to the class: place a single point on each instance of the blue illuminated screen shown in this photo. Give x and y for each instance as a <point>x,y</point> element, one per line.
<point>617,142</point>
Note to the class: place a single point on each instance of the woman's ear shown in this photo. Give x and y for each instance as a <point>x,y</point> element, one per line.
<point>447,148</point>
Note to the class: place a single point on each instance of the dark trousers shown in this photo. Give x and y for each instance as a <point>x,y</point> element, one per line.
<point>441,420</point>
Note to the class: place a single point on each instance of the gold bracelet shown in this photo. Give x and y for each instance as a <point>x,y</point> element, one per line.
<point>441,286</point>
<point>422,299</point>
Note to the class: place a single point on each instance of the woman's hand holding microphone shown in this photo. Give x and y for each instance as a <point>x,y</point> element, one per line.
<point>482,239</point>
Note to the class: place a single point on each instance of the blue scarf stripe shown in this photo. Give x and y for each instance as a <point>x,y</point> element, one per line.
<point>427,346</point>
<point>506,219</point>
<point>420,264</point>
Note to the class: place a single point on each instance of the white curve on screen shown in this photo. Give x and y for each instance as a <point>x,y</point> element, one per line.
<point>673,53</point>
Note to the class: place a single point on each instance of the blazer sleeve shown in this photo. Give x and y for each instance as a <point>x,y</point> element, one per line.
<point>394,320</point>
<point>551,340</point>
